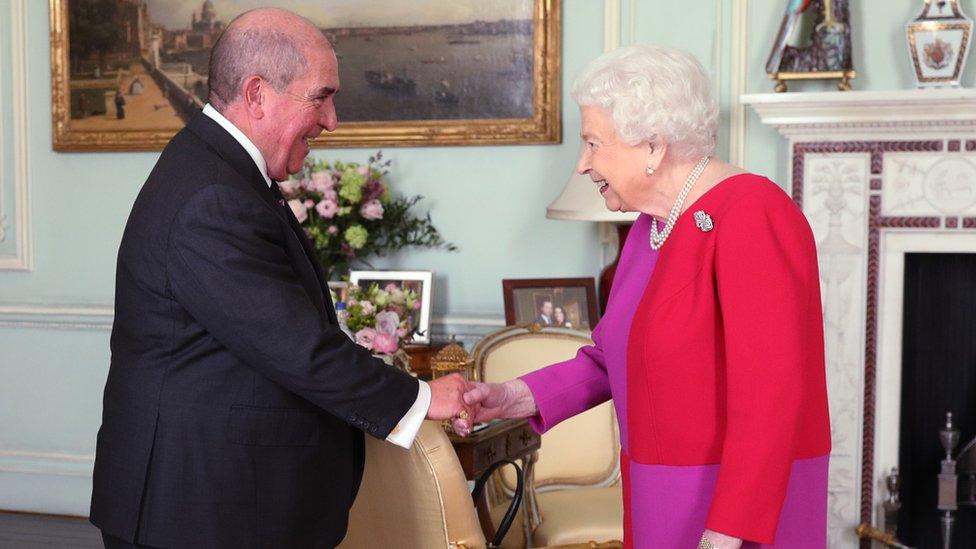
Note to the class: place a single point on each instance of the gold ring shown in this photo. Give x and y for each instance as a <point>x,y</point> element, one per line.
<point>463,414</point>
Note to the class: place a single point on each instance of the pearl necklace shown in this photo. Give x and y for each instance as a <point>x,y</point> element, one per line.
<point>657,238</point>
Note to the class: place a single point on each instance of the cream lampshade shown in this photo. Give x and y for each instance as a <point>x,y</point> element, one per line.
<point>581,201</point>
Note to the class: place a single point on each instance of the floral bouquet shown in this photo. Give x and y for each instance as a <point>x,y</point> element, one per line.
<point>382,320</point>
<point>350,213</point>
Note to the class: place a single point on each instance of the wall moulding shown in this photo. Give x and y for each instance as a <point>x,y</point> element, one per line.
<point>100,317</point>
<point>15,219</point>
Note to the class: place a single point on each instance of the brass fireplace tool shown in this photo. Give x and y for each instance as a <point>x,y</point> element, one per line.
<point>950,486</point>
<point>865,531</point>
<point>891,507</point>
<point>949,481</point>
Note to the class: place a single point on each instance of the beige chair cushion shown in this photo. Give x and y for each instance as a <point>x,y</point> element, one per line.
<point>589,438</point>
<point>570,517</point>
<point>415,498</point>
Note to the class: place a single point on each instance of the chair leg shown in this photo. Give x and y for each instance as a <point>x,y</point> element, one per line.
<point>531,517</point>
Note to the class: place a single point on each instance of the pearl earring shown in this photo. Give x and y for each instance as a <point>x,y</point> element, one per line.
<point>650,170</point>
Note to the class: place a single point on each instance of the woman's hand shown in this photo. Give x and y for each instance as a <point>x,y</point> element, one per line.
<point>447,402</point>
<point>721,541</point>
<point>511,399</point>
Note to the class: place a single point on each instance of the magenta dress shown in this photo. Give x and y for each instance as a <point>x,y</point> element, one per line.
<point>665,506</point>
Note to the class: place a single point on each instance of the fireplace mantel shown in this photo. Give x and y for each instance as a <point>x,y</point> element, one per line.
<point>878,175</point>
<point>866,111</point>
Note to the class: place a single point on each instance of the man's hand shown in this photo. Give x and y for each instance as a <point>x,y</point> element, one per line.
<point>447,402</point>
<point>511,399</point>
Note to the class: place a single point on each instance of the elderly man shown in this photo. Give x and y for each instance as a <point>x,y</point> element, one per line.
<point>235,407</point>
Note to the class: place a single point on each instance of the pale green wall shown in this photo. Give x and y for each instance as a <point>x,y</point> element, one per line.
<point>489,200</point>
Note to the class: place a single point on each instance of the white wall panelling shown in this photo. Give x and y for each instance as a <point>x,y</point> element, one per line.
<point>21,260</point>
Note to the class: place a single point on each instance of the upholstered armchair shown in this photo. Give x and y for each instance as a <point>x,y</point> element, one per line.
<point>417,499</point>
<point>577,496</point>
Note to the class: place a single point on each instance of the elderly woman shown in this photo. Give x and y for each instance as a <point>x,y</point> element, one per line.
<point>711,346</point>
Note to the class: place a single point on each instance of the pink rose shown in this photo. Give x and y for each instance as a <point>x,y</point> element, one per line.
<point>321,182</point>
<point>327,209</point>
<point>333,229</point>
<point>363,170</point>
<point>331,195</point>
<point>390,287</point>
<point>372,210</point>
<point>366,338</point>
<point>387,322</point>
<point>402,333</point>
<point>299,209</point>
<point>309,203</point>
<point>368,308</point>
<point>385,343</point>
<point>416,305</point>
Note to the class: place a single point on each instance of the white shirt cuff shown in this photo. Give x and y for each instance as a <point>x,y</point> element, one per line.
<point>405,431</point>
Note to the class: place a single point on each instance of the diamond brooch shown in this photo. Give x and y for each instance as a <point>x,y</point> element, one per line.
<point>704,221</point>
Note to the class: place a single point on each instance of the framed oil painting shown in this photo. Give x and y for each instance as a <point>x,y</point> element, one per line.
<point>561,302</point>
<point>127,74</point>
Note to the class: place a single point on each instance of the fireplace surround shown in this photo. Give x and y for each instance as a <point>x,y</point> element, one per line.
<point>879,175</point>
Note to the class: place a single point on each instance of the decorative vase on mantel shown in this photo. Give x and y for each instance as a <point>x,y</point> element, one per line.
<point>938,41</point>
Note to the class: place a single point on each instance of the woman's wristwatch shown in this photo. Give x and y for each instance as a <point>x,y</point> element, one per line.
<point>705,544</point>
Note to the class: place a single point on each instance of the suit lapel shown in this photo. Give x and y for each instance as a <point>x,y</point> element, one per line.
<point>284,210</point>
<point>234,154</point>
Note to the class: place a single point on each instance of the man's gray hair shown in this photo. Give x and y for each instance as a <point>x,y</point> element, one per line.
<point>653,92</point>
<point>274,55</point>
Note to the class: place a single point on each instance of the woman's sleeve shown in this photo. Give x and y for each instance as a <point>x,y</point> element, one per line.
<point>567,388</point>
<point>769,294</point>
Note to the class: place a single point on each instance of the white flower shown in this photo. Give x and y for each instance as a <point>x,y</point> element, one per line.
<point>387,322</point>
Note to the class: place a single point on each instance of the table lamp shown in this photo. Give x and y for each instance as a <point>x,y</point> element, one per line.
<point>581,201</point>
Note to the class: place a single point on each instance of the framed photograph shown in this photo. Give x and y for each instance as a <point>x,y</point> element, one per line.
<point>562,302</point>
<point>127,75</point>
<point>418,281</point>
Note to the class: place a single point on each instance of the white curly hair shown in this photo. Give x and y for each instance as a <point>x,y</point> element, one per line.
<point>652,92</point>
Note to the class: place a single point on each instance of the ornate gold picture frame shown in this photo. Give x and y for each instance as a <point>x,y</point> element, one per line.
<point>445,76</point>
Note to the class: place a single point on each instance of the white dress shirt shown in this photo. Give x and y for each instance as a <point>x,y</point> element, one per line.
<point>406,430</point>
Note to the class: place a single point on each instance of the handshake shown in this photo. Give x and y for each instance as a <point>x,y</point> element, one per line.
<point>466,403</point>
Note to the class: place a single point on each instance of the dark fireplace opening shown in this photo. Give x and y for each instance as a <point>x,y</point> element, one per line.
<point>938,375</point>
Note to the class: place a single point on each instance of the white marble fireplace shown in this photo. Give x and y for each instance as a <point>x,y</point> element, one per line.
<point>879,175</point>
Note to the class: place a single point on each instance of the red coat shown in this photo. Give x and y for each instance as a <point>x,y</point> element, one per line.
<point>726,353</point>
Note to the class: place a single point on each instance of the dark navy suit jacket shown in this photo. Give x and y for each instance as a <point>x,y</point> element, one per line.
<point>234,408</point>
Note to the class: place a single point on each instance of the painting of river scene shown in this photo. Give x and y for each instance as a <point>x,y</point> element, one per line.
<point>418,72</point>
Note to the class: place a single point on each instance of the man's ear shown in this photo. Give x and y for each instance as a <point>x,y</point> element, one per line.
<point>253,96</point>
